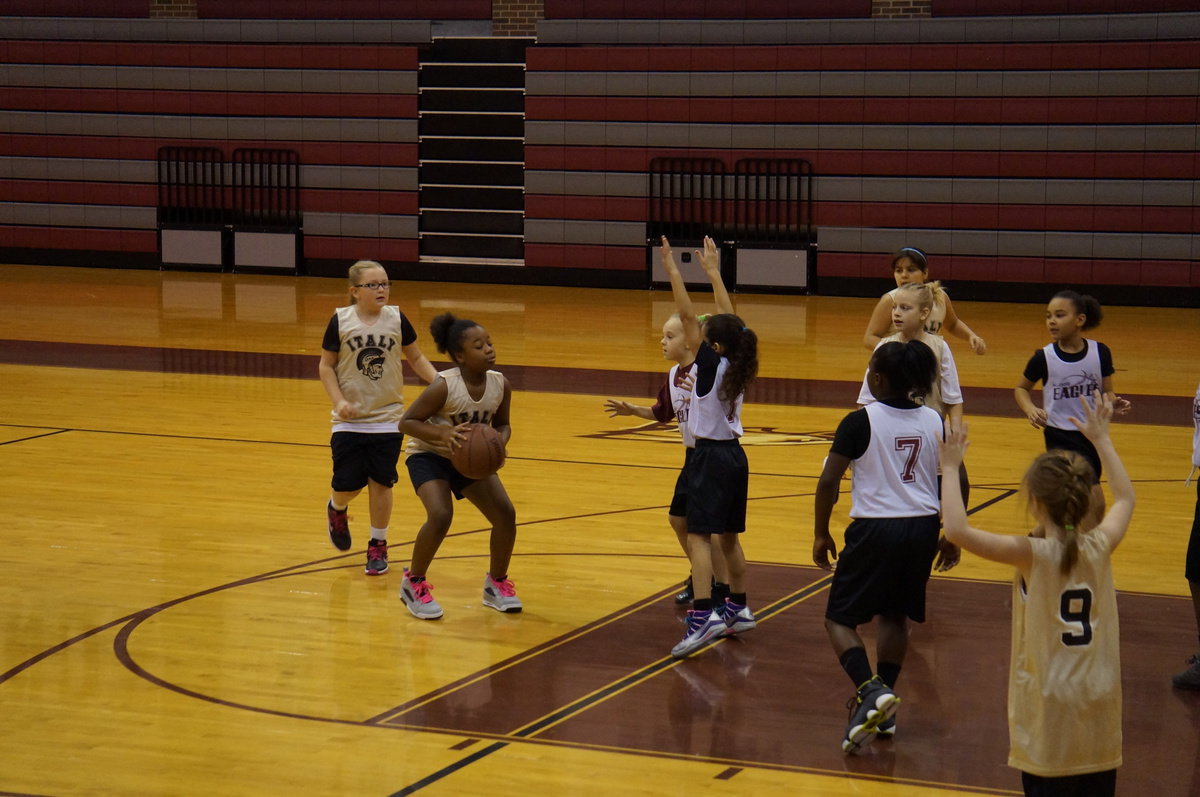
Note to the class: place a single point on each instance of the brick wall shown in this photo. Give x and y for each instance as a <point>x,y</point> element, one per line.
<point>516,17</point>
<point>173,9</point>
<point>901,8</point>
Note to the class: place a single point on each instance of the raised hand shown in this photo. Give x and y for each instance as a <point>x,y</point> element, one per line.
<point>710,258</point>
<point>1095,419</point>
<point>668,257</point>
<point>953,448</point>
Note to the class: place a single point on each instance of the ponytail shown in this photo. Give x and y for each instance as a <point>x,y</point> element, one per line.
<point>740,347</point>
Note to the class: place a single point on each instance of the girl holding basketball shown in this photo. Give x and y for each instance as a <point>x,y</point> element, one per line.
<point>911,266</point>
<point>717,476</point>
<point>437,423</point>
<point>1070,367</point>
<point>362,372</point>
<point>672,404</point>
<point>1064,683</point>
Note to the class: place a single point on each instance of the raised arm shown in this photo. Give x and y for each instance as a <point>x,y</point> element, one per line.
<point>710,261</point>
<point>1094,426</point>
<point>1005,548</point>
<point>683,302</point>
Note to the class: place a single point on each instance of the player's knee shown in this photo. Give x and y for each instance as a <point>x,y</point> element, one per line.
<point>438,519</point>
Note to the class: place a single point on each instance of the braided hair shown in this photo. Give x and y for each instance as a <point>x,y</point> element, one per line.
<point>1061,484</point>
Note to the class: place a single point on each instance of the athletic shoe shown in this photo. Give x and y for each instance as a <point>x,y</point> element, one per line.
<point>685,596</point>
<point>501,595</point>
<point>339,528</point>
<point>377,563</point>
<point>702,627</point>
<point>1189,678</point>
<point>419,598</point>
<point>887,728</point>
<point>873,705</point>
<point>737,617</point>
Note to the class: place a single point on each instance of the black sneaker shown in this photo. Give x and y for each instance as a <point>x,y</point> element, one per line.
<point>874,705</point>
<point>685,596</point>
<point>377,563</point>
<point>339,528</point>
<point>1189,678</point>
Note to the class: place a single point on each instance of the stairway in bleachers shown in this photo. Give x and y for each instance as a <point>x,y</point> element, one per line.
<point>472,152</point>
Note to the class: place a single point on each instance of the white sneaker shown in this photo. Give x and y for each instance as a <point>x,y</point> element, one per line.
<point>738,618</point>
<point>501,595</point>
<point>702,627</point>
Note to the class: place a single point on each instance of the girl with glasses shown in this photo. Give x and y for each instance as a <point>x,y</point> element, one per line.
<point>362,373</point>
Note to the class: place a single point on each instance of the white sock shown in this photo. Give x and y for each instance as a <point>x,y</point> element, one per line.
<point>337,508</point>
<point>378,534</point>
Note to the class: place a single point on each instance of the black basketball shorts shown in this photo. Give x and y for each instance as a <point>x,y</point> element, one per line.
<point>358,456</point>
<point>883,569</point>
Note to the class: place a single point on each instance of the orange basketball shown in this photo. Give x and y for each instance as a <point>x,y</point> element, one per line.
<point>481,454</point>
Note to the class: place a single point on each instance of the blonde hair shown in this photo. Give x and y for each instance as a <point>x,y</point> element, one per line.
<point>925,293</point>
<point>353,275</point>
<point>1061,484</point>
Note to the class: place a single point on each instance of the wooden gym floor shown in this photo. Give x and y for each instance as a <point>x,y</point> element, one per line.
<point>176,622</point>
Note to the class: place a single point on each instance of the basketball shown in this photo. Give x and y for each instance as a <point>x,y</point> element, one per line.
<point>481,454</point>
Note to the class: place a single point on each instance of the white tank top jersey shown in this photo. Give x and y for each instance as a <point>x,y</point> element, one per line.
<point>946,390</point>
<point>1066,382</point>
<point>937,316</point>
<point>1064,683</point>
<point>680,402</point>
<point>710,418</point>
<point>370,369</point>
<point>897,475</point>
<point>1196,434</point>
<point>461,408</point>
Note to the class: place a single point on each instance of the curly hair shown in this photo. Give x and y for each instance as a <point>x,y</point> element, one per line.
<point>740,346</point>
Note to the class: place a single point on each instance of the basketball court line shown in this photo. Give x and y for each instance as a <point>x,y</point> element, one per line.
<point>537,730</point>
<point>1151,409</point>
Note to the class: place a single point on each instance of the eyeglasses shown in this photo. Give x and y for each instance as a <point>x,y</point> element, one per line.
<point>374,286</point>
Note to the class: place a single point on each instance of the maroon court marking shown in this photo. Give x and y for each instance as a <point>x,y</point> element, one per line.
<point>776,697</point>
<point>1147,409</point>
